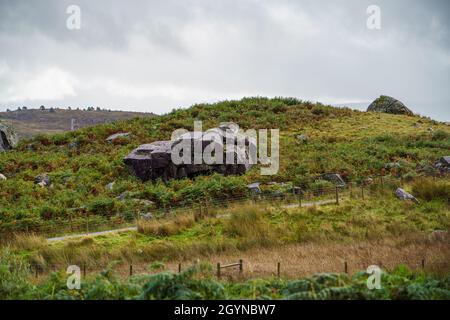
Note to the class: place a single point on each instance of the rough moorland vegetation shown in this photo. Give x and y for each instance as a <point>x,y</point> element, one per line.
<point>198,283</point>
<point>80,164</point>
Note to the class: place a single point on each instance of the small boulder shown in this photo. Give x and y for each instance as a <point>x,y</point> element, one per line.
<point>110,186</point>
<point>403,195</point>
<point>2,177</point>
<point>333,177</point>
<point>443,165</point>
<point>390,105</point>
<point>115,136</point>
<point>302,137</point>
<point>255,187</point>
<point>42,180</point>
<point>146,216</point>
<point>122,196</point>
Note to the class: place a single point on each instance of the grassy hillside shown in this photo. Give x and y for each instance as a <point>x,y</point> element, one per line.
<point>31,122</point>
<point>81,163</point>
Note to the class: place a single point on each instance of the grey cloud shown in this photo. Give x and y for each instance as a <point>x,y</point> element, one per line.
<point>156,55</point>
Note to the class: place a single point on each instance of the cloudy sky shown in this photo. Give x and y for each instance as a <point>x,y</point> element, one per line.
<point>158,55</point>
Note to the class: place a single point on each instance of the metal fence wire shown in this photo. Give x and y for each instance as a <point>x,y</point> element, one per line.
<point>89,223</point>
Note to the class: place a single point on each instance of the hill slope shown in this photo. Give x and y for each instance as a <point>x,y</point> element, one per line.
<point>29,123</point>
<point>81,163</point>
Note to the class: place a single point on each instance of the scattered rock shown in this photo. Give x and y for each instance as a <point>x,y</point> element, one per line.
<point>110,186</point>
<point>115,136</point>
<point>146,216</point>
<point>122,196</point>
<point>390,105</point>
<point>42,180</point>
<point>443,165</point>
<point>8,137</point>
<point>430,130</point>
<point>303,137</point>
<point>416,125</point>
<point>254,187</point>
<point>392,165</point>
<point>73,145</point>
<point>2,177</point>
<point>403,195</point>
<point>333,177</point>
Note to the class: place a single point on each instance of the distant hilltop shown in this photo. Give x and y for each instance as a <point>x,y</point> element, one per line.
<point>31,122</point>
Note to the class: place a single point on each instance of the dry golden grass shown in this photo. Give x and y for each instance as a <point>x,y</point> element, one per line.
<point>27,242</point>
<point>166,227</point>
<point>299,260</point>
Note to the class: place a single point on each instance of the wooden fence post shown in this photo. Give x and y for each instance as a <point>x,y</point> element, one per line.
<point>131,270</point>
<point>179,267</point>
<point>218,270</point>
<point>362,191</point>
<point>423,263</point>
<point>337,195</point>
<point>241,267</point>
<point>345,267</point>
<point>278,269</point>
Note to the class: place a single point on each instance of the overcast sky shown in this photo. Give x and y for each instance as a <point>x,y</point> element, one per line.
<point>158,55</point>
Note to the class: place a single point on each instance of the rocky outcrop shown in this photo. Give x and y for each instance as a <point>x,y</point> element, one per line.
<point>389,105</point>
<point>8,137</point>
<point>2,177</point>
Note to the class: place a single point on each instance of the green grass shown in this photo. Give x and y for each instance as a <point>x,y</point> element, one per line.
<point>352,143</point>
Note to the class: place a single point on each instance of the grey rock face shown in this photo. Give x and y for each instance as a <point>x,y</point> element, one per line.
<point>42,180</point>
<point>388,104</point>
<point>254,187</point>
<point>334,178</point>
<point>117,135</point>
<point>443,165</point>
<point>403,195</point>
<point>8,137</point>
<point>154,160</point>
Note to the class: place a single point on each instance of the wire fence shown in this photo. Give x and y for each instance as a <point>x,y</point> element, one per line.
<point>297,196</point>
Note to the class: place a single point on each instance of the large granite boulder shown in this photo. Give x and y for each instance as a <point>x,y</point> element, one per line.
<point>154,160</point>
<point>8,137</point>
<point>389,105</point>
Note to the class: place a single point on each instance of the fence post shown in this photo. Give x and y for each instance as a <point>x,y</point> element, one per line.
<point>337,195</point>
<point>179,268</point>
<point>218,270</point>
<point>300,199</point>
<point>345,267</point>
<point>278,269</point>
<point>131,270</point>
<point>362,191</point>
<point>87,222</point>
<point>423,263</point>
<point>241,267</point>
